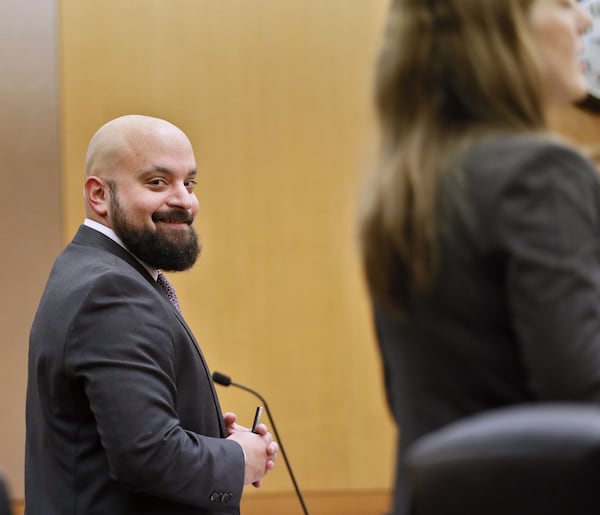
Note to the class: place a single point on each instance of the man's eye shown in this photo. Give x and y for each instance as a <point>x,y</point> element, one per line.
<point>157,182</point>
<point>191,184</point>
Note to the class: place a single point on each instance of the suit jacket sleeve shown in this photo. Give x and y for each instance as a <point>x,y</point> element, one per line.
<point>547,222</point>
<point>123,348</point>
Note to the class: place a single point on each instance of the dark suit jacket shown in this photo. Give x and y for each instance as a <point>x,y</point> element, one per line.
<point>5,508</point>
<point>122,415</point>
<point>514,315</point>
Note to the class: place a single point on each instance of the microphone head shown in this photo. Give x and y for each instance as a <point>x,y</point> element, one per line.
<point>221,379</point>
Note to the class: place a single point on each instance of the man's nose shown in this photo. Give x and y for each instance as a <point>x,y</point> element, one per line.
<point>181,197</point>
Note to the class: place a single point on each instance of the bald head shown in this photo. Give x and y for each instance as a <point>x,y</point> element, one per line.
<point>122,138</point>
<point>137,155</point>
<point>140,182</point>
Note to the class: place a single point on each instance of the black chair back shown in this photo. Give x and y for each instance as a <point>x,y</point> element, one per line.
<point>541,459</point>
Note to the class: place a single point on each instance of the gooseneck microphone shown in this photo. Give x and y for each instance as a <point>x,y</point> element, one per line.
<point>225,380</point>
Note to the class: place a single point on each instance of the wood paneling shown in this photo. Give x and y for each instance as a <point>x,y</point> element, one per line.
<point>275,96</point>
<point>375,502</point>
<point>325,503</point>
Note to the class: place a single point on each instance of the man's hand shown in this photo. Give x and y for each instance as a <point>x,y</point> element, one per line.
<point>259,448</point>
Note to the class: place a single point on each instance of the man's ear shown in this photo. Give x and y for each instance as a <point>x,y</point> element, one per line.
<point>96,193</point>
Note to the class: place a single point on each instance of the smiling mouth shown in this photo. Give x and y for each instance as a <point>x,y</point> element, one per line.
<point>173,217</point>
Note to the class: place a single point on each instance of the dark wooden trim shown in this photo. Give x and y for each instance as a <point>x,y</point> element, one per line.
<point>355,502</point>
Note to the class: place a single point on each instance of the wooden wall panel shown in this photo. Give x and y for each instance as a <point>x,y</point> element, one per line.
<point>30,210</point>
<point>370,502</point>
<point>275,96</point>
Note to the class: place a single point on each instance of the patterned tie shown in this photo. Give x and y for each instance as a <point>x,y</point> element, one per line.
<point>167,287</point>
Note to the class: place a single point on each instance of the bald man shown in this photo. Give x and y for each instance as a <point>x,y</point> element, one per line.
<point>122,415</point>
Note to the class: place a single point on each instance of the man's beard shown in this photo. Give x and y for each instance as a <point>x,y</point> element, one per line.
<point>171,251</point>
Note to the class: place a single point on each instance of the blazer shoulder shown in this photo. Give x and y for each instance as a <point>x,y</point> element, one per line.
<point>494,166</point>
<point>504,158</point>
<point>93,249</point>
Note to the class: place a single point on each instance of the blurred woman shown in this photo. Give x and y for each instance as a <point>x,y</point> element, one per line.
<point>480,230</point>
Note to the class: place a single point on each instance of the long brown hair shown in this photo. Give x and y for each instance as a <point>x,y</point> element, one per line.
<point>448,72</point>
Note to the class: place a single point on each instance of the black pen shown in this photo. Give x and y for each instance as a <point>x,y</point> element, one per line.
<point>257,416</point>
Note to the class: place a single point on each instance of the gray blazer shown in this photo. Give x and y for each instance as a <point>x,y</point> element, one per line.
<point>122,415</point>
<point>514,314</point>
